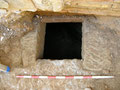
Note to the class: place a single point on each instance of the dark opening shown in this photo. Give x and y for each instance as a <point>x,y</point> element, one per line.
<point>63,41</point>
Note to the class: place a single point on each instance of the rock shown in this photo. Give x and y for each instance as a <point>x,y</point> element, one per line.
<point>92,5</point>
<point>57,5</point>
<point>50,5</point>
<point>28,46</point>
<point>21,5</point>
<point>33,45</point>
<point>117,1</point>
<point>100,43</point>
<point>2,11</point>
<point>87,89</point>
<point>116,6</point>
<point>3,4</point>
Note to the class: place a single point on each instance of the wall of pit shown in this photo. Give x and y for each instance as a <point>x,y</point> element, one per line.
<point>100,41</point>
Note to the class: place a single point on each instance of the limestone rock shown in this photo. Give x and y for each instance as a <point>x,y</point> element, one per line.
<point>87,89</point>
<point>91,5</point>
<point>116,6</point>
<point>2,11</point>
<point>3,4</point>
<point>28,46</point>
<point>55,5</point>
<point>21,5</point>
<point>117,1</point>
<point>100,45</point>
<point>33,43</point>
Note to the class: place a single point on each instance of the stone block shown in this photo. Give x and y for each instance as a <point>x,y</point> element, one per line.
<point>100,39</point>
<point>33,45</point>
<point>28,46</point>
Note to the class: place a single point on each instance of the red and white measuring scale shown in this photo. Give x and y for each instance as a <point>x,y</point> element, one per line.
<point>66,77</point>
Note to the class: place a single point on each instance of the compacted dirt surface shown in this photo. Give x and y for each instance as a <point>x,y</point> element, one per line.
<point>9,81</point>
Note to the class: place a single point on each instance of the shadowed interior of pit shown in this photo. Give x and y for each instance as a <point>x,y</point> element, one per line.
<point>63,41</point>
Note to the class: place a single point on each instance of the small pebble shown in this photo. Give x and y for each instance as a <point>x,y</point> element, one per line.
<point>87,89</point>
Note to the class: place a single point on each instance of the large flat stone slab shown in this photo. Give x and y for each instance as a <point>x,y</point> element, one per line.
<point>96,7</point>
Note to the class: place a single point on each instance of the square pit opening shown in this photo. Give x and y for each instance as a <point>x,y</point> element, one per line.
<point>63,41</point>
